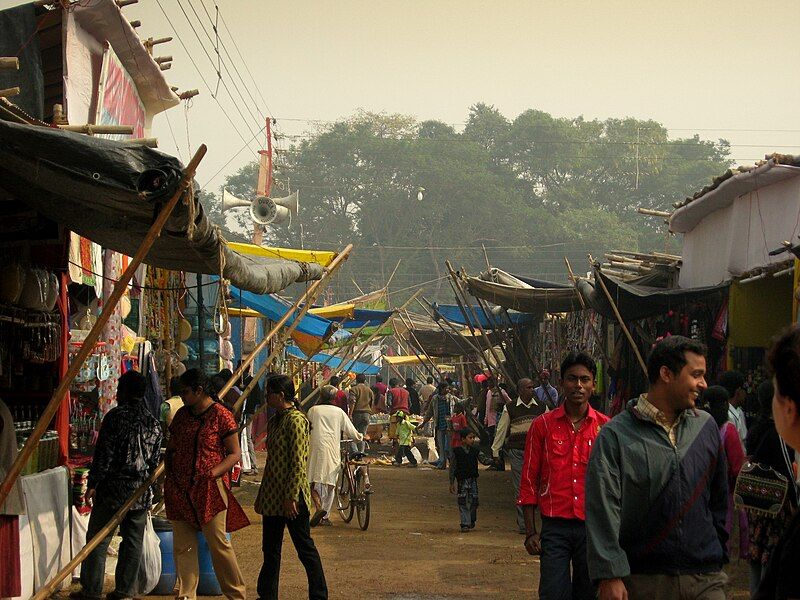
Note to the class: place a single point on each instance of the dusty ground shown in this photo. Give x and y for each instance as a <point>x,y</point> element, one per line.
<point>413,549</point>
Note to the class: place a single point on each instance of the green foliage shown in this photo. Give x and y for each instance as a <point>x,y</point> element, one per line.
<point>528,188</point>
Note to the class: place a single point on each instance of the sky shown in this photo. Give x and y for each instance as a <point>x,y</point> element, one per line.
<point>718,69</point>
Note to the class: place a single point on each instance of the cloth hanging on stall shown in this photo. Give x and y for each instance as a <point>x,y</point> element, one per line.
<point>112,331</point>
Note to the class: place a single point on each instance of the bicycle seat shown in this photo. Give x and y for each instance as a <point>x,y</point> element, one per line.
<point>357,456</point>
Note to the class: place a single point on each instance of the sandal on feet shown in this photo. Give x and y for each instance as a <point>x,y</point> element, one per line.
<point>317,517</point>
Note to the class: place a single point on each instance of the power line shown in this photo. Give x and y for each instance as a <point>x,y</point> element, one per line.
<point>230,160</point>
<point>214,95</point>
<point>199,72</point>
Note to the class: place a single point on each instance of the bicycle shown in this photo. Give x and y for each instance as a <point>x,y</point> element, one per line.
<point>353,488</point>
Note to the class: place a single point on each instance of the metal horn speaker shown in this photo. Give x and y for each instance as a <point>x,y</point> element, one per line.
<point>274,210</point>
<point>230,201</point>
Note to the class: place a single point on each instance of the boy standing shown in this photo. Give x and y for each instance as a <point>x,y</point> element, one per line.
<point>465,472</point>
<point>405,436</point>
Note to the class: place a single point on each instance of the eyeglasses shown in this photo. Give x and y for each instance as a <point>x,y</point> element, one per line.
<point>585,380</point>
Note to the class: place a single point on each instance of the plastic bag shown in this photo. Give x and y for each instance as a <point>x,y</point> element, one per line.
<point>433,455</point>
<point>150,567</point>
<point>416,453</point>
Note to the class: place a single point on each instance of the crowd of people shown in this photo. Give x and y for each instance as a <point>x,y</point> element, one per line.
<point>642,505</point>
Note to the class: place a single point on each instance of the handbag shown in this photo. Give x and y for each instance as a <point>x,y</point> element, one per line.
<point>150,565</point>
<point>760,490</point>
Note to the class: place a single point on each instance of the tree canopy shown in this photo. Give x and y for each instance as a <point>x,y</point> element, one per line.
<point>531,190</point>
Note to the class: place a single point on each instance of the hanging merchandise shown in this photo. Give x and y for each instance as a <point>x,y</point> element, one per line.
<point>109,362</point>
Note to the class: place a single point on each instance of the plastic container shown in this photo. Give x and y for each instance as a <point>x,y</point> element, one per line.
<point>207,584</point>
<point>166,583</point>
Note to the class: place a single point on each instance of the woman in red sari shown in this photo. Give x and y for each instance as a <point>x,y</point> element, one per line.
<point>202,449</point>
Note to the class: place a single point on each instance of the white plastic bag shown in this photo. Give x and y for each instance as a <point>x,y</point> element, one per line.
<point>416,453</point>
<point>150,567</point>
<point>433,456</point>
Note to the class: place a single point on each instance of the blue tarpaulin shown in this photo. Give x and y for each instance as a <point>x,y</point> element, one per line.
<point>453,313</point>
<point>363,316</point>
<point>335,362</point>
<point>274,308</point>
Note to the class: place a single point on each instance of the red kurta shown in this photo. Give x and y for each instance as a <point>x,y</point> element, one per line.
<point>197,445</point>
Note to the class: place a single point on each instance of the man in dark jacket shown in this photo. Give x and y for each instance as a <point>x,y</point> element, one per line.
<point>126,454</point>
<point>656,488</point>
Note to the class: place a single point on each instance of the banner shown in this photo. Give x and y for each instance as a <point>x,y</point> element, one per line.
<point>118,101</point>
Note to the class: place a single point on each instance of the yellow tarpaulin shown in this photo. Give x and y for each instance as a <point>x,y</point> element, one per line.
<point>405,360</point>
<point>245,312</point>
<point>321,257</point>
<point>334,310</point>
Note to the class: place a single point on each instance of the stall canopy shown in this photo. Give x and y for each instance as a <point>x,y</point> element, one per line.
<point>524,294</point>
<point>637,301</point>
<point>108,192</point>
<point>453,313</point>
<point>335,363</point>
<point>274,308</point>
<point>439,343</point>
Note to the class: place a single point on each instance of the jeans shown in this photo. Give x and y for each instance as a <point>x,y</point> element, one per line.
<point>272,540</point>
<point>93,570</point>
<point>516,458</point>
<point>360,422</point>
<point>404,451</point>
<point>442,447</point>
<point>564,542</point>
<point>468,501</point>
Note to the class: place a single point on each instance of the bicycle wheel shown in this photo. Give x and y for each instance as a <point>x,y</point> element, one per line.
<point>344,502</point>
<point>362,500</point>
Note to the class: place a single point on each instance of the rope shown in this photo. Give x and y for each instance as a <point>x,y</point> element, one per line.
<point>221,306</point>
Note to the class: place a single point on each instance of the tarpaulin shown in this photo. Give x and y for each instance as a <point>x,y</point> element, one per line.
<point>524,294</point>
<point>640,301</point>
<point>335,363</point>
<point>439,343</point>
<point>274,308</point>
<point>453,313</point>
<point>18,38</point>
<point>109,191</point>
<point>322,257</point>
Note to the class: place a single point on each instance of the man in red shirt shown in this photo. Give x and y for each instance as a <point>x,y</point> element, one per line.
<point>557,450</point>
<point>340,399</point>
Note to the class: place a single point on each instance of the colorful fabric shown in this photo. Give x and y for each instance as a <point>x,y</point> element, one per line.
<point>554,468</point>
<point>127,452</point>
<point>405,432</point>
<point>197,445</point>
<point>285,474</point>
<point>10,574</point>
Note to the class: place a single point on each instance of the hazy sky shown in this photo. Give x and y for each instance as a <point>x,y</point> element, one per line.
<point>721,69</point>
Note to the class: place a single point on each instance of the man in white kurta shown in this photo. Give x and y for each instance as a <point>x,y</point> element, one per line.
<point>328,422</point>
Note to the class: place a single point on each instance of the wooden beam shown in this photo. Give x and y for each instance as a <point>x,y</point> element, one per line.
<point>8,92</point>
<point>163,59</point>
<point>98,129</point>
<point>124,3</point>
<point>165,66</point>
<point>9,63</point>
<point>188,94</point>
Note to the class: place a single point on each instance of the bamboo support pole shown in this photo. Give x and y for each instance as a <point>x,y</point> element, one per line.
<point>410,326</point>
<point>625,329</point>
<point>149,142</point>
<point>520,371</point>
<point>163,59</point>
<point>518,339</point>
<point>9,63</point>
<point>488,341</point>
<point>94,334</point>
<point>98,129</point>
<point>188,94</point>
<point>123,3</point>
<point>439,325</point>
<point>165,66</point>
<point>8,92</point>
<point>50,587</point>
<point>136,24</point>
<point>335,263</point>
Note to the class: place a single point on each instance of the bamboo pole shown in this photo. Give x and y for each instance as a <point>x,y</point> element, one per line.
<point>486,338</point>
<point>410,326</point>
<point>625,329</point>
<point>50,587</point>
<point>8,92</point>
<point>9,63</point>
<point>447,333</point>
<point>502,331</point>
<point>94,334</point>
<point>335,263</point>
<point>518,339</point>
<point>98,129</point>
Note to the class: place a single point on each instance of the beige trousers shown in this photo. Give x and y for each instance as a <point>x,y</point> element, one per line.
<point>184,547</point>
<point>709,586</point>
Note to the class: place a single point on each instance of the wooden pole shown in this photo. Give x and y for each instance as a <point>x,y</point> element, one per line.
<point>9,63</point>
<point>625,329</point>
<point>50,587</point>
<point>447,333</point>
<point>94,334</point>
<point>518,339</point>
<point>8,92</point>
<point>501,330</point>
<point>98,129</point>
<point>410,326</point>
<point>335,264</point>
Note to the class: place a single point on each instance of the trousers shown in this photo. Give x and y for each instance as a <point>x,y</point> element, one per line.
<point>516,458</point>
<point>272,541</point>
<point>326,495</point>
<point>184,547</point>
<point>93,570</point>
<point>564,545</point>
<point>468,501</point>
<point>707,586</point>
<point>442,447</point>
<point>360,422</point>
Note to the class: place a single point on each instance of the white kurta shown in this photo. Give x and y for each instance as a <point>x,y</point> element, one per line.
<point>327,424</point>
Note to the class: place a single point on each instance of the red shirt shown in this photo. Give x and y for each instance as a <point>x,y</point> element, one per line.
<point>197,444</point>
<point>459,422</point>
<point>554,467</point>
<point>340,400</point>
<point>399,399</point>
